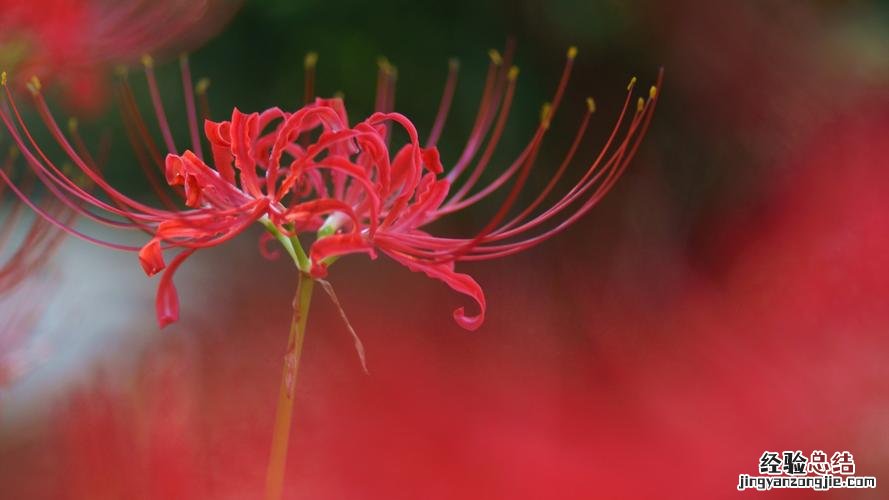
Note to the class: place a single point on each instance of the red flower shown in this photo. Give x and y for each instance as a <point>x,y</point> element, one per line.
<point>310,175</point>
<point>73,40</point>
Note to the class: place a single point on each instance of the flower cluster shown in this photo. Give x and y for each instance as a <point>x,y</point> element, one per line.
<point>313,178</point>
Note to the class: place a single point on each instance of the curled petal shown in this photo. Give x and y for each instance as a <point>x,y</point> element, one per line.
<point>337,105</point>
<point>244,130</point>
<point>202,183</point>
<point>429,196</point>
<point>174,170</point>
<point>463,283</point>
<point>151,257</point>
<point>432,160</point>
<point>167,300</point>
<point>269,253</point>
<point>218,133</point>
<point>219,136</point>
<point>336,245</point>
<point>192,191</point>
<point>211,228</point>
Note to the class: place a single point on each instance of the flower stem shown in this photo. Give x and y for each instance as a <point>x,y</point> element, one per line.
<point>274,482</point>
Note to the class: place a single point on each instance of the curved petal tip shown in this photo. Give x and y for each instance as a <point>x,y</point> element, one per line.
<point>152,258</point>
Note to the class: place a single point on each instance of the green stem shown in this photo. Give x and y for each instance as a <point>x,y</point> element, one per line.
<point>291,244</point>
<point>302,260</point>
<point>274,484</point>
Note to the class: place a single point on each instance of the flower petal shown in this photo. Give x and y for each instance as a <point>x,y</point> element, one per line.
<point>463,283</point>
<point>166,302</point>
<point>335,245</point>
<point>151,257</point>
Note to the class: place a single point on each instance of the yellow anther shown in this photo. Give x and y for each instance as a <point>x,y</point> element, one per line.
<point>13,153</point>
<point>72,124</point>
<point>148,61</point>
<point>311,60</point>
<point>545,114</point>
<point>385,66</point>
<point>339,95</point>
<point>121,71</point>
<point>572,52</point>
<point>34,85</point>
<point>513,73</point>
<point>591,104</point>
<point>3,78</point>
<point>202,86</point>
<point>652,92</point>
<point>640,104</point>
<point>495,57</point>
<point>632,83</point>
<point>453,63</point>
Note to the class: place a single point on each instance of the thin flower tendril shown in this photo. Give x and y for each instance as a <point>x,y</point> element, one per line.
<point>359,346</point>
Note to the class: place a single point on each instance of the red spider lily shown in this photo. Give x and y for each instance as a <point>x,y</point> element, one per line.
<point>71,40</point>
<point>310,172</point>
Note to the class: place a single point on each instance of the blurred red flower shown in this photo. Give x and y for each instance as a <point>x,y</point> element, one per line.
<point>73,41</point>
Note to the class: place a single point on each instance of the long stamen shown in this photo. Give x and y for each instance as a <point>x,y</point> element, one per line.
<point>84,152</point>
<point>505,207</point>
<point>619,163</point>
<point>488,110</point>
<point>200,89</point>
<point>385,101</point>
<point>53,178</point>
<point>132,118</point>
<point>385,79</point>
<point>444,108</point>
<point>144,152</point>
<point>604,176</point>
<point>309,64</point>
<point>188,92</point>
<point>485,104</point>
<point>53,127</point>
<point>578,138</point>
<point>157,103</point>
<point>58,223</point>
<point>12,217</point>
<point>593,173</point>
<point>495,138</point>
<point>458,204</point>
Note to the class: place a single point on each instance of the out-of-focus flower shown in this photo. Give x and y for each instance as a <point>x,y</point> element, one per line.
<point>115,439</point>
<point>311,175</point>
<point>71,41</point>
<point>20,352</point>
<point>26,242</point>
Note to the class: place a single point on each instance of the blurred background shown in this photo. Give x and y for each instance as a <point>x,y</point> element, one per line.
<point>728,297</point>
